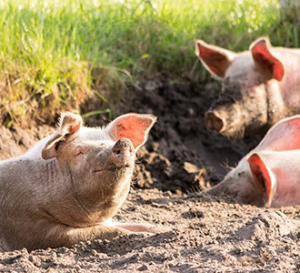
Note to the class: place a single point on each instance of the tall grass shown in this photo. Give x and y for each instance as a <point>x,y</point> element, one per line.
<point>56,54</point>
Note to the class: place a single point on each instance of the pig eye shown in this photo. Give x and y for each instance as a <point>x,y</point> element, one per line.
<point>79,151</point>
<point>58,144</point>
<point>239,174</point>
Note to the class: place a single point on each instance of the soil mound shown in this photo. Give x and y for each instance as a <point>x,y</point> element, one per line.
<point>268,226</point>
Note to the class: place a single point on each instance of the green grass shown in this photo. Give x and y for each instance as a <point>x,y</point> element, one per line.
<point>54,51</point>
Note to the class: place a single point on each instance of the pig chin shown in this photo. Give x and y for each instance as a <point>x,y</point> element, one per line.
<point>248,194</point>
<point>253,198</point>
<point>234,133</point>
<point>113,168</point>
<point>112,179</point>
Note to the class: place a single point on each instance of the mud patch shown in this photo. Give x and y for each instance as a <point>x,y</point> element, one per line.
<point>208,235</point>
<point>181,154</point>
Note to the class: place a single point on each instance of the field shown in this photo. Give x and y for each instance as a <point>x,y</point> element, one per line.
<point>106,58</point>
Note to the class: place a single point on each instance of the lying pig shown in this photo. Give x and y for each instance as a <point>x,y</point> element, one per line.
<point>70,192</point>
<point>270,174</point>
<point>259,87</point>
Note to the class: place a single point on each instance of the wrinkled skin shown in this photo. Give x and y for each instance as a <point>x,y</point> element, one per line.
<point>270,174</point>
<point>259,87</point>
<point>67,188</point>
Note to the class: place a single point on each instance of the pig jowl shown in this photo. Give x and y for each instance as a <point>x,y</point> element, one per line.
<point>270,174</point>
<point>259,87</point>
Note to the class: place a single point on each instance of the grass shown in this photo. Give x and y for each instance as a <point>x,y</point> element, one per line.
<point>55,55</point>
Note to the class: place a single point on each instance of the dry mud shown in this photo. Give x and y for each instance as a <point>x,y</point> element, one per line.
<point>181,158</point>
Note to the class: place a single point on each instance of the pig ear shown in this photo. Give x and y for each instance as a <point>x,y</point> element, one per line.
<point>283,136</point>
<point>68,127</point>
<point>262,177</point>
<point>132,126</point>
<point>264,59</point>
<point>215,59</point>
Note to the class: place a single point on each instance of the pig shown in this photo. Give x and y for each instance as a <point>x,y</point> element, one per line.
<point>67,188</point>
<point>270,174</point>
<point>259,87</point>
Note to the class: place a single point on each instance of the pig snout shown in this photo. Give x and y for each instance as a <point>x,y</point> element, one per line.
<point>214,122</point>
<point>122,153</point>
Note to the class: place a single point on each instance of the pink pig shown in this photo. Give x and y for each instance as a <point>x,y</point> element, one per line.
<point>270,174</point>
<point>259,87</point>
<point>67,188</point>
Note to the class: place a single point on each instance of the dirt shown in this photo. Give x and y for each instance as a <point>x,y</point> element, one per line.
<point>181,158</point>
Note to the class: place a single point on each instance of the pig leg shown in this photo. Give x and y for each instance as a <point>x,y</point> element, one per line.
<point>66,236</point>
<point>142,227</point>
<point>61,235</point>
<point>103,232</point>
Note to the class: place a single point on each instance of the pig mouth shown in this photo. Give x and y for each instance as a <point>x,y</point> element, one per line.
<point>113,169</point>
<point>234,134</point>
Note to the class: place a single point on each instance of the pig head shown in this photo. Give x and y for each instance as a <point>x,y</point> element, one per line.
<point>270,174</point>
<point>70,192</point>
<point>259,87</point>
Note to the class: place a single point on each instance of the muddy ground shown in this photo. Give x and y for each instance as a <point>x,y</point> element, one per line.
<point>181,158</point>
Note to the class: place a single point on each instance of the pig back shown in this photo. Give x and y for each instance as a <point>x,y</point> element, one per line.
<point>284,167</point>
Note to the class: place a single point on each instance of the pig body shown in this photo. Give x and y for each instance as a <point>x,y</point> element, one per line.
<point>270,174</point>
<point>67,188</point>
<point>259,87</point>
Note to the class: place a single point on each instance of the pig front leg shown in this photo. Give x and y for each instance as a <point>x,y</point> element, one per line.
<point>103,232</point>
<point>108,231</point>
<point>59,236</point>
<point>140,227</point>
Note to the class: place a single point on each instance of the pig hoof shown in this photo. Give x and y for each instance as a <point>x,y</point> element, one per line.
<point>159,229</point>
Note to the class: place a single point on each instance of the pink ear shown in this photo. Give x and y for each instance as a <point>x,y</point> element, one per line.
<point>69,126</point>
<point>215,59</point>
<point>264,60</point>
<point>261,176</point>
<point>283,136</point>
<point>132,126</point>
<point>69,123</point>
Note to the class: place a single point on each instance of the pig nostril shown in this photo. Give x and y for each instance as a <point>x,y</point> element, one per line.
<point>213,122</point>
<point>218,124</point>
